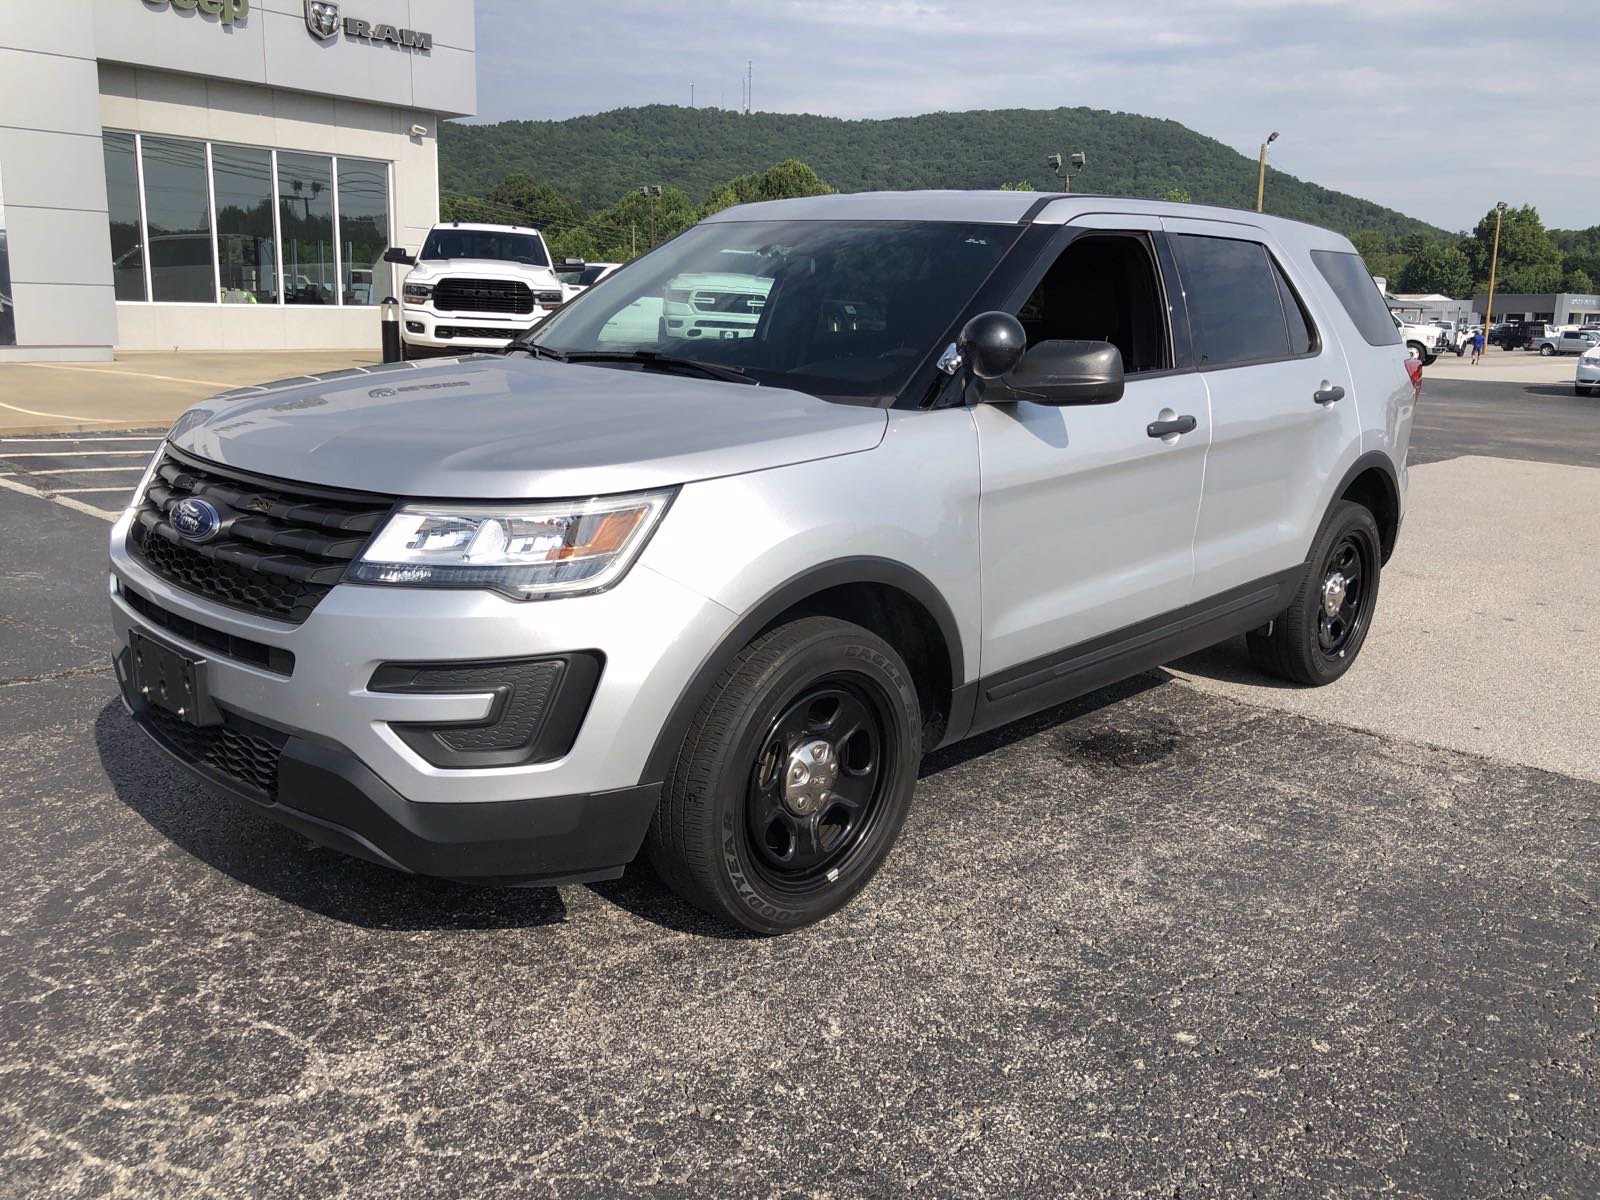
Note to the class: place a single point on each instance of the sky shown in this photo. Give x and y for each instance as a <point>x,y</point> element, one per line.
<point>1432,107</point>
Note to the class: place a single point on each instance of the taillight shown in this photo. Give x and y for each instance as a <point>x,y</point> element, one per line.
<point>1414,369</point>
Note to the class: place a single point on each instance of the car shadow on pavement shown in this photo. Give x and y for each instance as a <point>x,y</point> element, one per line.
<point>1229,662</point>
<point>261,854</point>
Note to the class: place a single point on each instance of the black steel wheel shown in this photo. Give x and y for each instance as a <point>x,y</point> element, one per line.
<point>1317,638</point>
<point>818,782</point>
<point>794,778</point>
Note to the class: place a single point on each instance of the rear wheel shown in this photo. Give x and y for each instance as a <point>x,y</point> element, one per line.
<point>1546,350</point>
<point>1317,638</point>
<point>794,779</point>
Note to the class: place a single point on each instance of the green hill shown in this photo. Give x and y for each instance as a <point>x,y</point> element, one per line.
<point>596,159</point>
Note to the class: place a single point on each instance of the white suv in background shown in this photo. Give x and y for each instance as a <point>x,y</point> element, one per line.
<point>475,287</point>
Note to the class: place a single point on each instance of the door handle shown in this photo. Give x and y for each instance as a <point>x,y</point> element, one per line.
<point>1161,429</point>
<point>1327,394</point>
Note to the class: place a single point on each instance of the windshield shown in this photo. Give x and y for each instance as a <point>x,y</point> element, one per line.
<point>525,248</point>
<point>834,308</point>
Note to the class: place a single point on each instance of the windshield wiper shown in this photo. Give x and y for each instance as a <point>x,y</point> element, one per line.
<point>664,362</point>
<point>537,350</point>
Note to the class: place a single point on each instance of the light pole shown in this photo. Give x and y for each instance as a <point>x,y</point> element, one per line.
<point>1494,261</point>
<point>1261,173</point>
<point>652,193</point>
<point>1065,175</point>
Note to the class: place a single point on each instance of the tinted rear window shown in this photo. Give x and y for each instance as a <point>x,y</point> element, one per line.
<point>1236,310</point>
<point>1350,280</point>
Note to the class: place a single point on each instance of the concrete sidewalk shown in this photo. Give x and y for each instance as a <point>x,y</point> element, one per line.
<point>1504,366</point>
<point>145,388</point>
<point>1485,639</point>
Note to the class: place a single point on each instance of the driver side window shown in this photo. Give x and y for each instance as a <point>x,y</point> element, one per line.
<point>1104,288</point>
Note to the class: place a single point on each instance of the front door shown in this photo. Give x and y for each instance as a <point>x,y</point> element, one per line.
<point>1087,520</point>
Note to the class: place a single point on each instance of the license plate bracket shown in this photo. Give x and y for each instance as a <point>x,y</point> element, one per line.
<point>171,680</point>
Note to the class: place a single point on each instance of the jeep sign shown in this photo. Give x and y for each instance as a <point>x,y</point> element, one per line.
<point>231,11</point>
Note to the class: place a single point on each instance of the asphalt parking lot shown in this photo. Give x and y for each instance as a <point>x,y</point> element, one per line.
<point>1186,937</point>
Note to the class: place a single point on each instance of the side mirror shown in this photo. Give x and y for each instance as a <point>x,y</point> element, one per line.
<point>991,344</point>
<point>395,254</point>
<point>1067,372</point>
<point>571,264</point>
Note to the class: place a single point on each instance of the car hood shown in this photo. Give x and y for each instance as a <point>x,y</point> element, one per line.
<point>515,427</point>
<point>430,269</point>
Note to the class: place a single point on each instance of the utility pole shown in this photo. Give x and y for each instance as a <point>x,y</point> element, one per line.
<point>652,193</point>
<point>1065,174</point>
<point>1261,173</point>
<point>1494,261</point>
<point>691,93</point>
<point>749,86</point>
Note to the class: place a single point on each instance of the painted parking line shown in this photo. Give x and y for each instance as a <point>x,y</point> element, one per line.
<point>62,501</point>
<point>134,468</point>
<point>82,441</point>
<point>77,453</point>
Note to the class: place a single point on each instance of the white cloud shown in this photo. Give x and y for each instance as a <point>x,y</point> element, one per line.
<point>1419,104</point>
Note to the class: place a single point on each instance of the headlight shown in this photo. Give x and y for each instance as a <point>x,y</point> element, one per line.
<point>418,291</point>
<point>527,551</point>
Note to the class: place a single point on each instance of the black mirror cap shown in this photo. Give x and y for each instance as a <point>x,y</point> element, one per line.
<point>991,344</point>
<point>395,254</point>
<point>1068,372</point>
<point>571,264</point>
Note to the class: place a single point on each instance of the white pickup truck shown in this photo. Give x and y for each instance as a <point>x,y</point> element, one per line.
<point>1425,342</point>
<point>475,287</point>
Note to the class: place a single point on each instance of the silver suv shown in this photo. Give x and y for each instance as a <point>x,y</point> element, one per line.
<point>516,618</point>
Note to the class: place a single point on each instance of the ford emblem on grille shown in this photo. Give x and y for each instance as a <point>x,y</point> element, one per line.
<point>195,519</point>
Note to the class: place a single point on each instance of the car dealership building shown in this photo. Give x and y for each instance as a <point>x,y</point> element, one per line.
<point>216,174</point>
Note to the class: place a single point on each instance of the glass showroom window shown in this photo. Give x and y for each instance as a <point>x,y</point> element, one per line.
<point>272,245</point>
<point>177,210</point>
<point>247,249</point>
<point>122,192</point>
<point>305,203</point>
<point>364,231</point>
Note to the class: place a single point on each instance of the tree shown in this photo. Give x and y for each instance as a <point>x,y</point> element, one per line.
<point>1177,195</point>
<point>1529,260</point>
<point>1022,185</point>
<point>789,178</point>
<point>1577,281</point>
<point>1374,248</point>
<point>1436,268</point>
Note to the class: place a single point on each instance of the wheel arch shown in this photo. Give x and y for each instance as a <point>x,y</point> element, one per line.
<point>1373,483</point>
<point>895,601</point>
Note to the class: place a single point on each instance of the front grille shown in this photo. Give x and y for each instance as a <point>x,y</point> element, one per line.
<point>282,546</point>
<point>257,654</point>
<point>482,295</point>
<point>243,751</point>
<point>475,331</point>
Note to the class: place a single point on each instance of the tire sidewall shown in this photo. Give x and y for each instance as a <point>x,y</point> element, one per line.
<point>876,667</point>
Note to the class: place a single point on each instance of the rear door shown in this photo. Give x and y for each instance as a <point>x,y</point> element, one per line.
<point>1283,408</point>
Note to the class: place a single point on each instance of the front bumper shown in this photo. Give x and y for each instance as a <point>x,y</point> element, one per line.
<point>1588,372</point>
<point>429,330</point>
<point>338,758</point>
<point>328,795</point>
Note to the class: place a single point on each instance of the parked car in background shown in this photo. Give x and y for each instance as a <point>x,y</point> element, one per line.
<point>577,275</point>
<point>1508,335</point>
<point>1424,342</point>
<point>517,618</point>
<point>1566,342</point>
<point>1455,336</point>
<point>475,287</point>
<point>1587,381</point>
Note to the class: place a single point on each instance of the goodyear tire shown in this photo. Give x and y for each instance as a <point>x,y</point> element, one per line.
<point>794,778</point>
